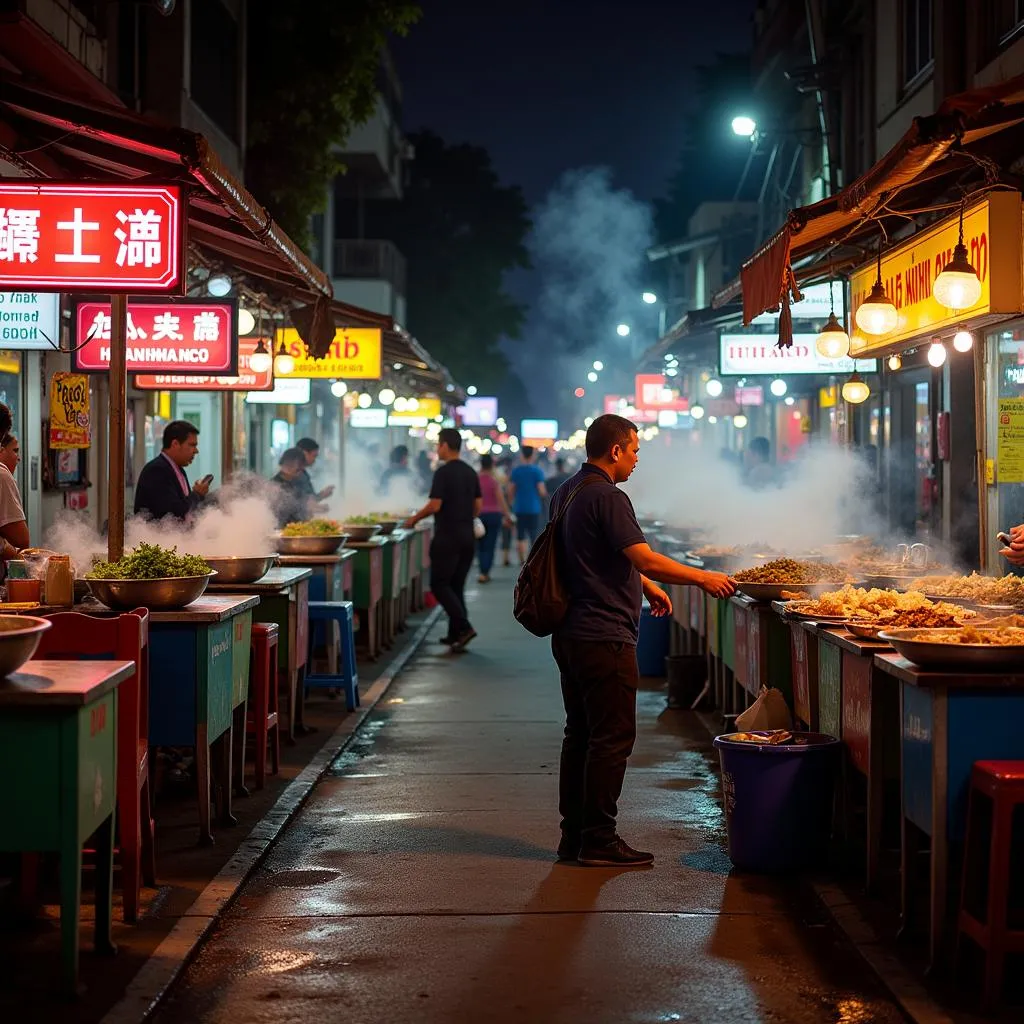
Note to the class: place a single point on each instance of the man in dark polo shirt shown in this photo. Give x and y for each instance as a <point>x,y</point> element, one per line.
<point>607,568</point>
<point>454,503</point>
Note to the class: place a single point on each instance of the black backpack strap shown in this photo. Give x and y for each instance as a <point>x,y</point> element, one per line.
<point>572,494</point>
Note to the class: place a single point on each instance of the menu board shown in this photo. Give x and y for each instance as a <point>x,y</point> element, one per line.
<point>1010,445</point>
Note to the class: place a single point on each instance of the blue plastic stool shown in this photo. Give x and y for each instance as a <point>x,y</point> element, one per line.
<point>347,677</point>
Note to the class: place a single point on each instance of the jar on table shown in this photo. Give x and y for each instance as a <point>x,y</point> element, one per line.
<point>60,582</point>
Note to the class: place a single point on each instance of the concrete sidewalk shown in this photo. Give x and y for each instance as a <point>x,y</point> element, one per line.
<point>419,882</point>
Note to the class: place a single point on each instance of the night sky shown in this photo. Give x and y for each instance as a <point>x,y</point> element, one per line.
<point>550,86</point>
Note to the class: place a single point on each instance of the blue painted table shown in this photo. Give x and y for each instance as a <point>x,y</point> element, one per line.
<point>198,675</point>
<point>948,720</point>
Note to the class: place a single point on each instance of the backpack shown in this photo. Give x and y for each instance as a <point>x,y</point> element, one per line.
<point>541,602</point>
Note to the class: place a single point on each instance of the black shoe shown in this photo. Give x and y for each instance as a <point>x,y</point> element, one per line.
<point>616,854</point>
<point>447,640</point>
<point>569,848</point>
<point>459,643</point>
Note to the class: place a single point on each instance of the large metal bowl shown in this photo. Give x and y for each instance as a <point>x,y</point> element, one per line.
<point>358,534</point>
<point>240,568</point>
<point>323,545</point>
<point>387,526</point>
<point>19,638</point>
<point>160,595</point>
<point>915,646</point>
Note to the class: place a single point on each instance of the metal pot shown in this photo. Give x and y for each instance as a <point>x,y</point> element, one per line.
<point>388,526</point>
<point>310,545</point>
<point>360,534</point>
<point>19,638</point>
<point>240,568</point>
<point>163,594</point>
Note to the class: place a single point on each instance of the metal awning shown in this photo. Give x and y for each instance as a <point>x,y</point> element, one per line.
<point>965,140</point>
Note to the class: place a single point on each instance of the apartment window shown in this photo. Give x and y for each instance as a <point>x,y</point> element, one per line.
<point>917,38</point>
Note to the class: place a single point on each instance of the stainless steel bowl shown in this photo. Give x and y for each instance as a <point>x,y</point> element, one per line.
<point>387,526</point>
<point>915,646</point>
<point>19,638</point>
<point>774,591</point>
<point>358,534</point>
<point>310,545</point>
<point>240,568</point>
<point>160,595</point>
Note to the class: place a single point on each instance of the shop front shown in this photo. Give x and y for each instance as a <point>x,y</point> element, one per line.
<point>948,380</point>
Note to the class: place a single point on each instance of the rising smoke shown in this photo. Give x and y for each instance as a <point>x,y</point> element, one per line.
<point>588,251</point>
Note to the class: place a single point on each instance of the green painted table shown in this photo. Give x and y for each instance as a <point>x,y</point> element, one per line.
<point>58,760</point>
<point>368,592</point>
<point>767,649</point>
<point>283,597</point>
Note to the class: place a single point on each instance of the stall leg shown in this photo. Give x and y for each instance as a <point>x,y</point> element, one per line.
<point>103,940</point>
<point>203,781</point>
<point>238,747</point>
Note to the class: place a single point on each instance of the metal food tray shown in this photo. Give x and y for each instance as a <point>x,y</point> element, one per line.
<point>773,591</point>
<point>914,645</point>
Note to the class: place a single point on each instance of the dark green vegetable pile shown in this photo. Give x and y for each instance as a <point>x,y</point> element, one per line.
<point>149,562</point>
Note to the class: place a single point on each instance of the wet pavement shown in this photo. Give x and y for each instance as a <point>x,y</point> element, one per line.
<point>419,882</point>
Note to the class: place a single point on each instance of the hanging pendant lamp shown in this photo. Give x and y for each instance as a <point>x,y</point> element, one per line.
<point>958,286</point>
<point>876,314</point>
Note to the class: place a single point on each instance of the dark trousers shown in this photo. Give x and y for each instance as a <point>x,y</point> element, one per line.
<point>451,558</point>
<point>599,681</point>
<point>486,544</point>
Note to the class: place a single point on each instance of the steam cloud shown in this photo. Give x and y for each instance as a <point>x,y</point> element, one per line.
<point>587,247</point>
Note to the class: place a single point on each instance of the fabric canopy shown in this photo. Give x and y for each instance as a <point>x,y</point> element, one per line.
<point>948,141</point>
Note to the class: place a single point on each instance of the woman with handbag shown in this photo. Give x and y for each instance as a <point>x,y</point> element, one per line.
<point>494,513</point>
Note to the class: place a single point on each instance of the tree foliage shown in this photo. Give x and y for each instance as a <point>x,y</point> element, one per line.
<point>312,77</point>
<point>461,232</point>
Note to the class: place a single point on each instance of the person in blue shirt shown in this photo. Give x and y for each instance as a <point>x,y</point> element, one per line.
<point>526,494</point>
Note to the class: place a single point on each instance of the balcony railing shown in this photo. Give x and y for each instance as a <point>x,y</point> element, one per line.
<point>370,259</point>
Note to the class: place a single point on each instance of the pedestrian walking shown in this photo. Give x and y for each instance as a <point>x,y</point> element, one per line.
<point>455,501</point>
<point>607,569</point>
<point>494,513</point>
<point>501,472</point>
<point>527,494</point>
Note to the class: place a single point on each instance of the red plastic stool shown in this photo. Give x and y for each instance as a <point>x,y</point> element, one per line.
<point>1001,782</point>
<point>262,717</point>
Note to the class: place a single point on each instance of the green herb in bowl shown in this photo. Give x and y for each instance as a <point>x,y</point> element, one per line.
<point>361,520</point>
<point>313,528</point>
<point>150,562</point>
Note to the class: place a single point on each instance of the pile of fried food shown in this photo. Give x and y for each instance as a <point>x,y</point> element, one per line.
<point>886,608</point>
<point>976,588</point>
<point>1001,636</point>
<point>790,571</point>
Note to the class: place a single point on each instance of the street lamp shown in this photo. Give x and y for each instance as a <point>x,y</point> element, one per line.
<point>650,298</point>
<point>713,388</point>
<point>261,360</point>
<point>592,377</point>
<point>471,390</point>
<point>622,330</point>
<point>598,365</point>
<point>744,126</point>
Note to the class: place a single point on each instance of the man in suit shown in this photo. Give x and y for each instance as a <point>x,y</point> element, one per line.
<point>163,489</point>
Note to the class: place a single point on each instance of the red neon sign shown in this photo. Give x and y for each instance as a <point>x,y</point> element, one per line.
<point>192,337</point>
<point>109,237</point>
<point>247,379</point>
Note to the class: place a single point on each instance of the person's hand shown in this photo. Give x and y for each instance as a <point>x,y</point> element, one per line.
<point>660,602</point>
<point>202,487</point>
<point>506,521</point>
<point>717,584</point>
<point>326,492</point>
<point>410,523</point>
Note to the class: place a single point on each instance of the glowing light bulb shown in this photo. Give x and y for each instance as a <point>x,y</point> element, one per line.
<point>790,400</point>
<point>936,353</point>
<point>598,365</point>
<point>622,330</point>
<point>963,340</point>
<point>778,387</point>
<point>261,360</point>
<point>401,404</point>
<point>592,377</point>
<point>365,401</point>
<point>650,298</point>
<point>895,362</point>
<point>385,396</point>
<point>833,342</point>
<point>739,422</point>
<point>713,387</point>
<point>339,389</point>
<point>855,390</point>
<point>284,363</point>
<point>958,286</point>
<point>876,314</point>
<point>246,321</point>
<point>697,412</point>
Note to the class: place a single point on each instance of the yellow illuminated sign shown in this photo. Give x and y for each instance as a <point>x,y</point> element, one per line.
<point>425,407</point>
<point>992,235</point>
<point>355,354</point>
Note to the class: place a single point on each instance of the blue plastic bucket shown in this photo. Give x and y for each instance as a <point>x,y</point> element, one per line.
<point>652,643</point>
<point>778,800</point>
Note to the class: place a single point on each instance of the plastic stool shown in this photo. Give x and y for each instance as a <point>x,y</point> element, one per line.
<point>346,677</point>
<point>1002,782</point>
<point>262,718</point>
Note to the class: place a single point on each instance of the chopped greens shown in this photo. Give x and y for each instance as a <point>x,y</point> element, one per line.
<point>149,562</point>
<point>313,528</point>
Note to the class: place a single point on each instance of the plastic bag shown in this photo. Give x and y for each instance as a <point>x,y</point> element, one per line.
<point>479,529</point>
<point>768,712</point>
